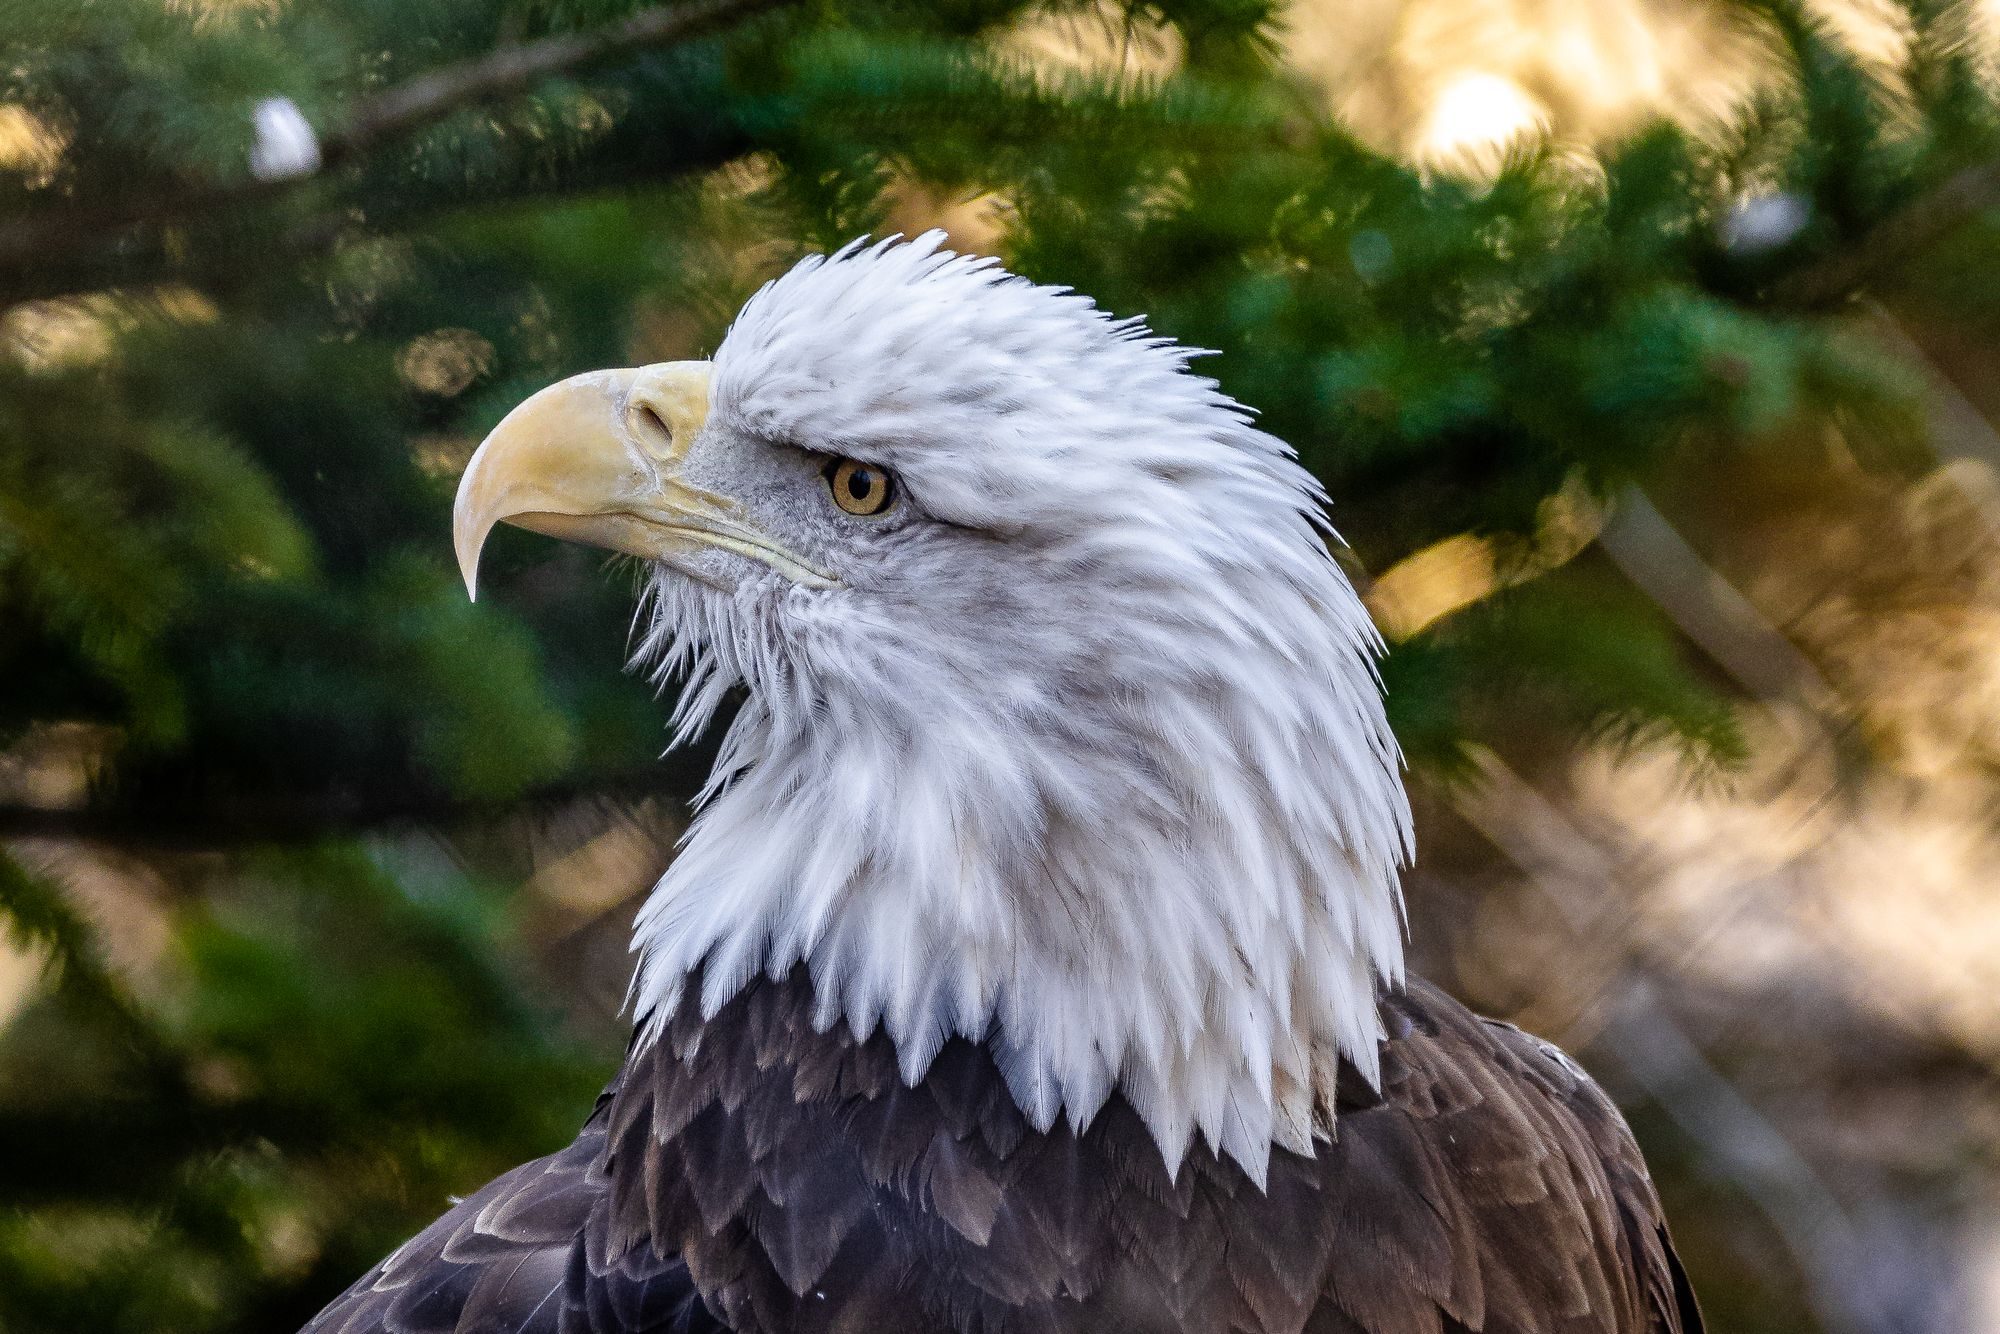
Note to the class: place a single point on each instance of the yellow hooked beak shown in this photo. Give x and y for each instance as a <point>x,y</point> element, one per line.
<point>597,459</point>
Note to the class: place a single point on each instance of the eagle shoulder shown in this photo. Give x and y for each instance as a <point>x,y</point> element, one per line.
<point>515,1258</point>
<point>1530,1168</point>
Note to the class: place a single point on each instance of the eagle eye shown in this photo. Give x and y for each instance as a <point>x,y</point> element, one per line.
<point>860,488</point>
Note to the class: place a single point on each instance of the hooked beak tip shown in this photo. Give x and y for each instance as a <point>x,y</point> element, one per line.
<point>469,531</point>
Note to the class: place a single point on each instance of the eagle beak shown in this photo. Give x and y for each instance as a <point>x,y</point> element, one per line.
<point>597,459</point>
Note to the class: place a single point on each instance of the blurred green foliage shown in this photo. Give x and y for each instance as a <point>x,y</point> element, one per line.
<point>233,409</point>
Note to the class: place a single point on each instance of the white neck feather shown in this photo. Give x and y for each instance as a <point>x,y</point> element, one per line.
<point>1185,889</point>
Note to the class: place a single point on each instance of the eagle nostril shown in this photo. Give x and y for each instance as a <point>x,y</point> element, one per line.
<point>653,424</point>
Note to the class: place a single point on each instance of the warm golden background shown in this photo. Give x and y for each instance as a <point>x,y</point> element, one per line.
<point>1647,348</point>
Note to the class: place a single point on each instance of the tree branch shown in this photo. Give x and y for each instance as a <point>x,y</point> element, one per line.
<point>511,69</point>
<point>1902,234</point>
<point>46,237</point>
<point>309,816</point>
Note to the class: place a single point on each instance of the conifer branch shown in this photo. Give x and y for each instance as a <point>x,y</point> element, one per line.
<point>311,817</point>
<point>47,238</point>
<point>511,69</point>
<point>1905,233</point>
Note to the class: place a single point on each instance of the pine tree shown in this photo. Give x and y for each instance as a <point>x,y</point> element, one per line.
<point>269,271</point>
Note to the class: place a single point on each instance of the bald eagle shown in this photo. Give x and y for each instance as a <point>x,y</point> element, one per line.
<point>1034,961</point>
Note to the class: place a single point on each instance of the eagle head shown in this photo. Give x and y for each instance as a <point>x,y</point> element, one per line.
<point>1061,730</point>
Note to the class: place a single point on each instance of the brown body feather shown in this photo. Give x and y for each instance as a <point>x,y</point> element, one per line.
<point>748,1173</point>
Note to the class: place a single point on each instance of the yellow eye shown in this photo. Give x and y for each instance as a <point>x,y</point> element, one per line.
<point>860,488</point>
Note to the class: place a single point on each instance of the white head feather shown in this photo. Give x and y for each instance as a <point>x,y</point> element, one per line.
<point>1084,756</point>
